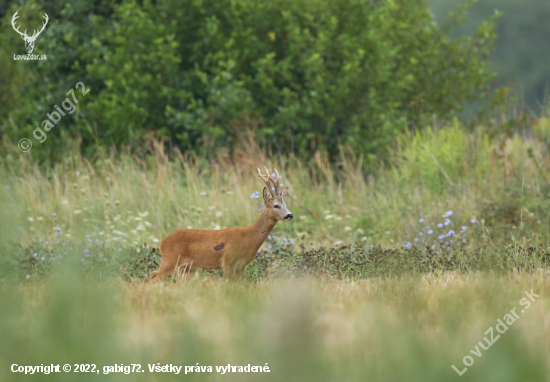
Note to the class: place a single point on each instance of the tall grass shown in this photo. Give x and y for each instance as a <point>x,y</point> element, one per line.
<point>393,329</point>
<point>491,191</point>
<point>125,199</point>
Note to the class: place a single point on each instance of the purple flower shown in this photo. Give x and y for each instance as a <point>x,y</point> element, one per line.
<point>441,237</point>
<point>473,220</point>
<point>407,245</point>
<point>430,232</point>
<point>440,225</point>
<point>421,221</point>
<point>36,254</point>
<point>415,239</point>
<point>54,214</point>
<point>57,233</point>
<point>42,258</point>
<point>420,233</point>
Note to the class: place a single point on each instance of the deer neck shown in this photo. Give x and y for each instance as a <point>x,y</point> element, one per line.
<point>260,229</point>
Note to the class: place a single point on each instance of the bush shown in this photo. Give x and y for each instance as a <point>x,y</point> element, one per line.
<point>305,72</point>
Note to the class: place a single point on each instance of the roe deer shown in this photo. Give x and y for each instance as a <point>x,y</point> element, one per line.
<point>232,248</point>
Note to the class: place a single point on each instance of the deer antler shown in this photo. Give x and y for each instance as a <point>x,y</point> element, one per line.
<point>24,34</point>
<point>272,184</point>
<point>35,34</point>
<point>13,25</point>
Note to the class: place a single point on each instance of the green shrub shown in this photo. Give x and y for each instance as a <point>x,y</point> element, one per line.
<point>299,73</point>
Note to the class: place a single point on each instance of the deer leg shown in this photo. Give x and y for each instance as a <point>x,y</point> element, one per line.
<point>233,268</point>
<point>164,271</point>
<point>186,270</point>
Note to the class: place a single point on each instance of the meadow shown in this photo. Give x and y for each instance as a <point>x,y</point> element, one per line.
<point>390,271</point>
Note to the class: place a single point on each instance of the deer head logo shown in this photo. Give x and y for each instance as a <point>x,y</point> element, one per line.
<point>29,41</point>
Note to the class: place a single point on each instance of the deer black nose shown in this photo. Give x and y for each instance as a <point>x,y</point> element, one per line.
<point>289,217</point>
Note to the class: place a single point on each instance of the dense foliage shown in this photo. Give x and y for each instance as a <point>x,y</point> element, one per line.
<point>296,74</point>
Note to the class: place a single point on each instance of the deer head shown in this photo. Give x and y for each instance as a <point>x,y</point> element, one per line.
<point>273,198</point>
<point>29,41</point>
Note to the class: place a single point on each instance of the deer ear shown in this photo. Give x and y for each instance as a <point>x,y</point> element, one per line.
<point>284,193</point>
<point>266,195</point>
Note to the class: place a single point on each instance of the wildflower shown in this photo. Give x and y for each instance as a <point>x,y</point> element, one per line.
<point>452,241</point>
<point>46,242</point>
<point>284,239</point>
<point>281,185</point>
<point>36,254</point>
<point>218,214</point>
<point>270,246</point>
<point>464,228</point>
<point>120,249</point>
<point>86,251</point>
<point>421,221</point>
<point>407,245</point>
<point>448,213</point>
<point>420,233</point>
<point>440,225</point>
<point>273,175</point>
<point>42,258</point>
<point>473,221</point>
<point>54,214</point>
<point>464,240</point>
<point>7,187</point>
<point>430,232</point>
<point>31,219</point>
<point>451,232</point>
<point>57,233</point>
<point>57,242</point>
<point>40,218</point>
<point>415,239</point>
<point>441,237</point>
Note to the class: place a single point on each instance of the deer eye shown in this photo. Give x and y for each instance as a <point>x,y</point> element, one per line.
<point>276,206</point>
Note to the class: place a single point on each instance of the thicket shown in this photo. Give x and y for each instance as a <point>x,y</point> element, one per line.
<point>297,74</point>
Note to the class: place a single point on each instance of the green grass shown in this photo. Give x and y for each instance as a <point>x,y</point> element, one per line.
<point>308,329</point>
<point>334,295</point>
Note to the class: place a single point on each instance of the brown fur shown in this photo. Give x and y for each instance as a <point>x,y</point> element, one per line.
<point>231,249</point>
